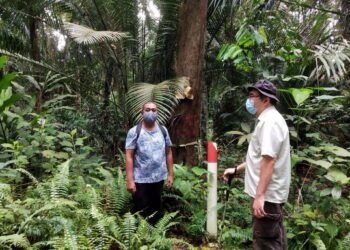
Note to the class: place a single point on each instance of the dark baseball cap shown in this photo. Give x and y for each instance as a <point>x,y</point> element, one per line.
<point>266,88</point>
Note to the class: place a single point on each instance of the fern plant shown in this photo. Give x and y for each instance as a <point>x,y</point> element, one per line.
<point>14,240</point>
<point>59,186</point>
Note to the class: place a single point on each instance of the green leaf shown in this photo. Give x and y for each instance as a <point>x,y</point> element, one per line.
<point>48,153</point>
<point>66,144</point>
<point>199,171</point>
<point>185,188</point>
<point>335,175</point>
<point>61,155</point>
<point>245,126</point>
<point>325,192</point>
<point>331,229</point>
<point>9,102</point>
<point>242,139</point>
<point>3,61</point>
<point>300,95</point>
<point>3,165</point>
<point>6,80</point>
<point>262,33</point>
<point>80,141</point>
<point>74,132</point>
<point>295,159</point>
<point>317,242</point>
<point>336,150</point>
<point>336,192</point>
<point>233,133</point>
<point>322,163</point>
<point>329,97</point>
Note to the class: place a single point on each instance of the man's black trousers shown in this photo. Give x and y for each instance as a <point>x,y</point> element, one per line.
<point>148,200</point>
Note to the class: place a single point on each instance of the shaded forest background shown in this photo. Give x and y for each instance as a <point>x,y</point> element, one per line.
<point>75,73</point>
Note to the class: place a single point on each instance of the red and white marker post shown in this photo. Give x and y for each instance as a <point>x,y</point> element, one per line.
<point>212,227</point>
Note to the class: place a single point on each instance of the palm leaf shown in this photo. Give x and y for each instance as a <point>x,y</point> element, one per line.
<point>26,59</point>
<point>332,58</point>
<point>163,94</point>
<point>88,36</point>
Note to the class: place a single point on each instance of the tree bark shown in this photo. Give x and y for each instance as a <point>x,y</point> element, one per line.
<point>189,62</point>
<point>35,54</point>
<point>345,20</point>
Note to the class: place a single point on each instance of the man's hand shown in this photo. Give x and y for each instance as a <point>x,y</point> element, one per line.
<point>130,186</point>
<point>258,206</point>
<point>170,181</point>
<point>228,172</point>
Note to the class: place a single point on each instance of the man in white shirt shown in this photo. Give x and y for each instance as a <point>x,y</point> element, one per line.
<point>267,167</point>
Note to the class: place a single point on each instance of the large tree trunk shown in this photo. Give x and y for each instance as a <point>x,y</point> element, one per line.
<point>345,20</point>
<point>190,62</point>
<point>35,54</point>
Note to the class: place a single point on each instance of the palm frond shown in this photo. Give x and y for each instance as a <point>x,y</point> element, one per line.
<point>330,61</point>
<point>163,94</point>
<point>88,36</point>
<point>28,60</point>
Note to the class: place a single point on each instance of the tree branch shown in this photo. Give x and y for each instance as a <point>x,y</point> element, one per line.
<point>313,7</point>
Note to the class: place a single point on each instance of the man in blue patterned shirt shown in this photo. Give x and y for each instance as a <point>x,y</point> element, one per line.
<point>149,161</point>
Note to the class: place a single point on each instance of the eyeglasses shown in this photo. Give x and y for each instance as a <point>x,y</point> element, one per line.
<point>149,109</point>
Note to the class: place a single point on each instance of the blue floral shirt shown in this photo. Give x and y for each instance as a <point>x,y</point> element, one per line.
<point>149,159</point>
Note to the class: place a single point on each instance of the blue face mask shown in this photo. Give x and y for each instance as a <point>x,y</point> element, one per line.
<point>150,117</point>
<point>249,105</point>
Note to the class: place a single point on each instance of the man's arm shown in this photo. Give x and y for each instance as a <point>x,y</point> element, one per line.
<point>169,164</point>
<point>130,184</point>
<point>266,169</point>
<point>236,170</point>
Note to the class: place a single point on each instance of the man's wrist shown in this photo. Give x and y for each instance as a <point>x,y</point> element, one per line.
<point>258,195</point>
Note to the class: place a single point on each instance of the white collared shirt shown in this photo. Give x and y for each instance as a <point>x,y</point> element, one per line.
<point>270,137</point>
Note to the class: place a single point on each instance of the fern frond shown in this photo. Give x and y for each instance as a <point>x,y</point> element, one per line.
<point>99,240</point>
<point>5,192</point>
<point>345,243</point>
<point>15,240</point>
<point>238,234</point>
<point>60,182</point>
<point>182,243</point>
<point>129,228</point>
<point>32,177</point>
<point>70,238</point>
<point>85,35</point>
<point>144,229</point>
<point>58,203</point>
<point>181,202</point>
<point>161,243</point>
<point>165,223</point>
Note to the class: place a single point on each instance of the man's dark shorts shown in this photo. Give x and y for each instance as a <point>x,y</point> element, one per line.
<point>268,232</point>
